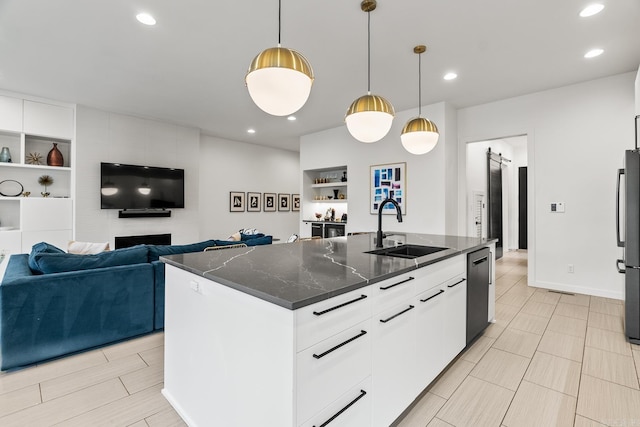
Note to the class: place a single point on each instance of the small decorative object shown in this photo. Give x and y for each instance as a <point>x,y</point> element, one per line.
<point>34,158</point>
<point>45,180</point>
<point>295,202</point>
<point>284,200</point>
<point>54,158</point>
<point>344,176</point>
<point>5,155</point>
<point>269,200</point>
<point>10,188</point>
<point>26,194</point>
<point>342,196</point>
<point>335,193</point>
<point>236,201</point>
<point>318,215</point>
<point>254,202</point>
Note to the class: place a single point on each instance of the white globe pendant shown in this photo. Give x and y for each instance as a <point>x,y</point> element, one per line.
<point>369,118</point>
<point>419,136</point>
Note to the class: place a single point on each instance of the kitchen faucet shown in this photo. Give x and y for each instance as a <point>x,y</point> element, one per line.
<point>380,235</point>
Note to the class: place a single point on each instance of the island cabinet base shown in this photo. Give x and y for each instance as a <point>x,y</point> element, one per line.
<point>358,359</point>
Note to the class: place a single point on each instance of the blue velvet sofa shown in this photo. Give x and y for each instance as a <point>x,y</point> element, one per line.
<point>53,303</point>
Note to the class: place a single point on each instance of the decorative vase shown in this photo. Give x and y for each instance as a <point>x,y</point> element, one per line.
<point>5,155</point>
<point>344,176</point>
<point>54,158</point>
<point>335,193</point>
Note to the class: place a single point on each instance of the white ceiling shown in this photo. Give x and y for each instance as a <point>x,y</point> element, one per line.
<point>189,69</point>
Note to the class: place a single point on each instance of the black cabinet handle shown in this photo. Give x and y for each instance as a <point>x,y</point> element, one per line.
<point>456,284</point>
<point>384,288</point>
<point>337,414</point>
<point>480,261</point>
<point>398,314</point>
<point>321,355</point>
<point>320,313</point>
<point>432,296</point>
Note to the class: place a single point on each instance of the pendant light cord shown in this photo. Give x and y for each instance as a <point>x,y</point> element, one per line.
<point>279,19</point>
<point>419,85</point>
<point>369,52</point>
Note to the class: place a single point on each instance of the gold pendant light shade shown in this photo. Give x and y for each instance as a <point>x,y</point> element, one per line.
<point>369,118</point>
<point>279,81</point>
<point>419,135</point>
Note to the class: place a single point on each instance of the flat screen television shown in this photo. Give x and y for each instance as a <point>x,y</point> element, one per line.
<point>140,187</point>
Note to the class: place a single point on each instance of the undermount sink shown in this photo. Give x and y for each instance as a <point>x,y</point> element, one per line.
<point>407,251</point>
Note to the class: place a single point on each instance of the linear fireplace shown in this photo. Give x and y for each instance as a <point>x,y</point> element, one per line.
<point>149,239</point>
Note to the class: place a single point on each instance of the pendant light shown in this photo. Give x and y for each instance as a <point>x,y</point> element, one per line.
<point>419,135</point>
<point>279,79</point>
<point>369,117</point>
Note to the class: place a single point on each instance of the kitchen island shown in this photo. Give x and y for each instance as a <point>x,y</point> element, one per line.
<point>312,333</point>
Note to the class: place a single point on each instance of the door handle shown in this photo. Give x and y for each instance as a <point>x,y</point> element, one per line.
<point>620,270</point>
<point>620,242</point>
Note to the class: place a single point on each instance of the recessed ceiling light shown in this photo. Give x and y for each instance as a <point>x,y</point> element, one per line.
<point>146,19</point>
<point>291,118</point>
<point>450,76</point>
<point>593,53</point>
<point>591,10</point>
<point>251,131</point>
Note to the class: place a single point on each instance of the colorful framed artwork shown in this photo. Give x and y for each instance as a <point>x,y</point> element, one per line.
<point>236,201</point>
<point>388,182</point>
<point>269,202</point>
<point>254,202</point>
<point>284,202</point>
<point>295,202</point>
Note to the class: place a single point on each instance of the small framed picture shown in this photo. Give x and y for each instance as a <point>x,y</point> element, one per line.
<point>269,202</point>
<point>236,201</point>
<point>254,202</point>
<point>284,202</point>
<point>295,202</point>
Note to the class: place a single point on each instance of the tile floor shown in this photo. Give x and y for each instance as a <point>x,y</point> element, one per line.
<point>550,360</point>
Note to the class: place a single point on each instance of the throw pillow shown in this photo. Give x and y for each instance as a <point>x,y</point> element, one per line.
<point>41,248</point>
<point>47,263</point>
<point>156,251</point>
<point>86,248</point>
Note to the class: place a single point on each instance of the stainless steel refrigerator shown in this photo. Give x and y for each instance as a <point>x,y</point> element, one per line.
<point>628,236</point>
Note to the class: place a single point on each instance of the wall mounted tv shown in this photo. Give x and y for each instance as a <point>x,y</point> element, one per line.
<point>140,187</point>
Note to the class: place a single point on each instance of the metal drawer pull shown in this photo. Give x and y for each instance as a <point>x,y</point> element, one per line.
<point>398,314</point>
<point>320,313</point>
<point>456,284</point>
<point>318,356</point>
<point>337,414</point>
<point>384,288</point>
<point>480,261</point>
<point>432,296</point>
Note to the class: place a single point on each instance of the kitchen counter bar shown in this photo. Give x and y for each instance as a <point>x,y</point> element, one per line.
<point>295,275</point>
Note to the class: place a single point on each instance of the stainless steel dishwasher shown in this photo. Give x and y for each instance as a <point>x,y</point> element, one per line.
<point>478,276</point>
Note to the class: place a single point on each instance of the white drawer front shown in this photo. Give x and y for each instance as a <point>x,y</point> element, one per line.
<point>393,291</point>
<point>439,272</point>
<point>352,409</point>
<point>321,320</point>
<point>330,368</point>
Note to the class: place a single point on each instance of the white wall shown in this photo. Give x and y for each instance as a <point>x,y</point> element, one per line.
<point>108,137</point>
<point>236,166</point>
<point>428,184</point>
<point>576,136</point>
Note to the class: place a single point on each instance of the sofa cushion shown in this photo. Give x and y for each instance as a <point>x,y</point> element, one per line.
<point>245,237</point>
<point>264,240</point>
<point>156,251</point>
<point>87,248</point>
<point>46,263</point>
<point>41,248</point>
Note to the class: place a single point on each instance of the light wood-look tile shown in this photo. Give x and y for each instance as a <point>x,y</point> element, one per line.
<point>577,299</point>
<point>529,323</point>
<point>636,359</point>
<point>493,330</point>
<point>608,403</point>
<point>143,378</point>
<point>513,298</point>
<point>610,308</point>
<point>422,412</point>
<point>535,406</point>
<point>501,368</point>
<point>608,300</point>
<point>437,422</point>
<point>154,356</point>
<point>130,347</point>
<point>567,325</point>
<point>452,378</point>
<point>572,310</point>
<point>476,403</point>
<point>505,313</point>
<point>140,423</point>
<point>518,342</point>
<point>586,422</point>
<point>78,380</point>
<point>554,372</point>
<point>478,349</point>
<point>539,309</point>
<point>607,322</point>
<point>68,406</point>
<point>561,345</point>
<point>609,366</point>
<point>546,297</point>
<point>20,399</point>
<point>608,341</point>
<point>35,374</point>
<point>166,418</point>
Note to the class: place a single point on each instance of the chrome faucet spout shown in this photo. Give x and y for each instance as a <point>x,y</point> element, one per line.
<point>380,234</point>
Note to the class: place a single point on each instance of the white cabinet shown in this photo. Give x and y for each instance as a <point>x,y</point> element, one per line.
<point>430,318</point>
<point>352,409</point>
<point>48,120</point>
<point>455,317</point>
<point>10,114</point>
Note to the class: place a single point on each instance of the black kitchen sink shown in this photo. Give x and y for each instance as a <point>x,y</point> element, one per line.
<point>407,251</point>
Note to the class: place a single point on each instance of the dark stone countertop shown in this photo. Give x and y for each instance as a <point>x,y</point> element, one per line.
<point>294,275</point>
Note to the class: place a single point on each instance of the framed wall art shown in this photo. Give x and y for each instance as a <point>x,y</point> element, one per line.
<point>284,202</point>
<point>236,201</point>
<point>295,202</point>
<point>269,202</point>
<point>254,202</point>
<point>388,182</point>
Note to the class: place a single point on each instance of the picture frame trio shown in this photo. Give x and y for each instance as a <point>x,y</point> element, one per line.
<point>240,201</point>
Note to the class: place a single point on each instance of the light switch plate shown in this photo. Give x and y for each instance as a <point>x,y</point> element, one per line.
<point>557,207</point>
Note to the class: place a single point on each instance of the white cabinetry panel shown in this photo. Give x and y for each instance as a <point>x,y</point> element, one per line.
<point>455,317</point>
<point>430,313</point>
<point>59,238</point>
<point>352,409</point>
<point>11,114</point>
<point>49,120</point>
<point>40,214</point>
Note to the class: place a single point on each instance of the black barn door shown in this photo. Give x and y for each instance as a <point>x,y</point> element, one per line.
<point>494,180</point>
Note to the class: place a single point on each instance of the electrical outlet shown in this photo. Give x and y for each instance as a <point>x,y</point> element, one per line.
<point>569,268</point>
